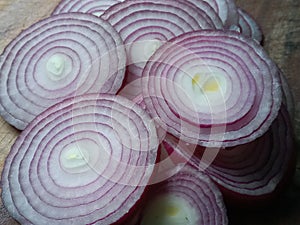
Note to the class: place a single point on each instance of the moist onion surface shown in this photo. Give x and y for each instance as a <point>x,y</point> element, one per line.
<point>212,88</point>
<point>248,26</point>
<point>145,25</point>
<point>255,170</point>
<point>56,58</point>
<point>85,160</point>
<point>259,167</point>
<point>187,198</point>
<point>95,7</point>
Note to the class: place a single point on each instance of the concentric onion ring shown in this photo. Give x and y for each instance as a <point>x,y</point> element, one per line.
<point>227,11</point>
<point>188,197</point>
<point>56,58</point>
<point>248,26</point>
<point>145,25</point>
<point>85,160</point>
<point>212,88</point>
<point>259,168</point>
<point>95,7</point>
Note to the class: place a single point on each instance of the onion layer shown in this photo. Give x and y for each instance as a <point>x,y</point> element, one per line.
<point>145,25</point>
<point>212,88</point>
<point>85,160</point>
<point>227,11</point>
<point>187,198</point>
<point>248,26</point>
<point>56,58</point>
<point>95,7</point>
<point>257,170</point>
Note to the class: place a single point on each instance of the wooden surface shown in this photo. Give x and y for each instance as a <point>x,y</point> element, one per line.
<point>280,22</point>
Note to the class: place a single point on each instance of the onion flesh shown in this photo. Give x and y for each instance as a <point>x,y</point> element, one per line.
<point>56,58</point>
<point>191,86</point>
<point>187,198</point>
<point>85,160</point>
<point>145,25</point>
<point>251,172</point>
<point>248,26</point>
<point>95,7</point>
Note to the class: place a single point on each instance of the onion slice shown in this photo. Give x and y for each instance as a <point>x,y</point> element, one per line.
<point>56,58</point>
<point>212,88</point>
<point>227,11</point>
<point>95,7</point>
<point>248,26</point>
<point>256,171</point>
<point>145,25</point>
<point>187,198</point>
<point>85,160</point>
<point>259,169</point>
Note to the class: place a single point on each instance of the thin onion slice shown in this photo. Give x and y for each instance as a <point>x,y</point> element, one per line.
<point>227,11</point>
<point>145,25</point>
<point>95,7</point>
<point>256,171</point>
<point>85,160</point>
<point>189,197</point>
<point>56,58</point>
<point>248,26</point>
<point>212,88</point>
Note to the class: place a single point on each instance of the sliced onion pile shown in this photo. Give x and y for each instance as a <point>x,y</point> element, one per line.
<point>145,25</point>
<point>227,11</point>
<point>85,160</point>
<point>257,170</point>
<point>95,7</point>
<point>189,197</point>
<point>212,88</point>
<point>248,26</point>
<point>58,57</point>
<point>194,79</point>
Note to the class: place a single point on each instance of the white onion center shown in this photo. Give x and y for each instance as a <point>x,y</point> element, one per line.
<point>82,156</point>
<point>170,209</point>
<point>141,51</point>
<point>58,66</point>
<point>205,88</point>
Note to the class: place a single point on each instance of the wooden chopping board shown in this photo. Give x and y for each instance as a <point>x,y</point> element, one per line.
<point>280,22</point>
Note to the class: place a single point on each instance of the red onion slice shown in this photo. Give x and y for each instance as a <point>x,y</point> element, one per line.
<point>85,160</point>
<point>145,25</point>
<point>95,7</point>
<point>259,169</point>
<point>189,197</point>
<point>212,88</point>
<point>255,171</point>
<point>248,26</point>
<point>59,57</point>
<point>227,11</point>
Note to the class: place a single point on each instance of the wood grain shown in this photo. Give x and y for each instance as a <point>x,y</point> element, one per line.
<point>280,22</point>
